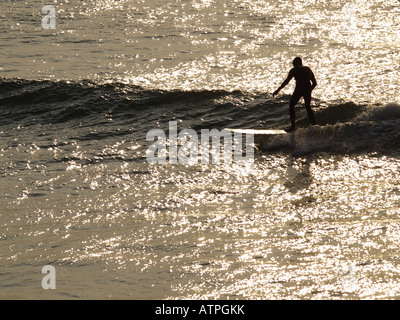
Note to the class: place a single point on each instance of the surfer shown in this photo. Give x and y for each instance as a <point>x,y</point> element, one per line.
<point>305,84</point>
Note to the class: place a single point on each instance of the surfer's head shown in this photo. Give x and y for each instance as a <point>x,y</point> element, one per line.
<point>297,62</point>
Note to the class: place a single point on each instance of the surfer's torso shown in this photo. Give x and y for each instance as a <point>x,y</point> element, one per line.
<point>303,76</point>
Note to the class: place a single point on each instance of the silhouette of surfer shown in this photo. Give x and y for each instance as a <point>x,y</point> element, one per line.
<point>305,84</point>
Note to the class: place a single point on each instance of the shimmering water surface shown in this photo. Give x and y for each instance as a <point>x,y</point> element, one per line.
<point>316,218</point>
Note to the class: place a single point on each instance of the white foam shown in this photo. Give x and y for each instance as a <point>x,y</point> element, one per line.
<point>337,138</point>
<point>378,113</point>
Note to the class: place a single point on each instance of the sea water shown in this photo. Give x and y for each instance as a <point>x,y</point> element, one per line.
<point>316,217</point>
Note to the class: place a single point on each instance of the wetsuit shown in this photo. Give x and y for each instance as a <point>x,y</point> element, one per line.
<point>305,83</point>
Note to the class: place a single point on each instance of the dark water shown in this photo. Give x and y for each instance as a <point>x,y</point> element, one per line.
<point>93,112</point>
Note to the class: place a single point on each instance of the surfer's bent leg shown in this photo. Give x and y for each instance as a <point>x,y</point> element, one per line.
<point>293,101</point>
<point>307,102</point>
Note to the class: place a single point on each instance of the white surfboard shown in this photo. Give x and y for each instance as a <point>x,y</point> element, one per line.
<point>257,131</point>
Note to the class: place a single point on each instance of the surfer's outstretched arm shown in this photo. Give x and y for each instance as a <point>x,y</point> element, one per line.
<point>284,84</point>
